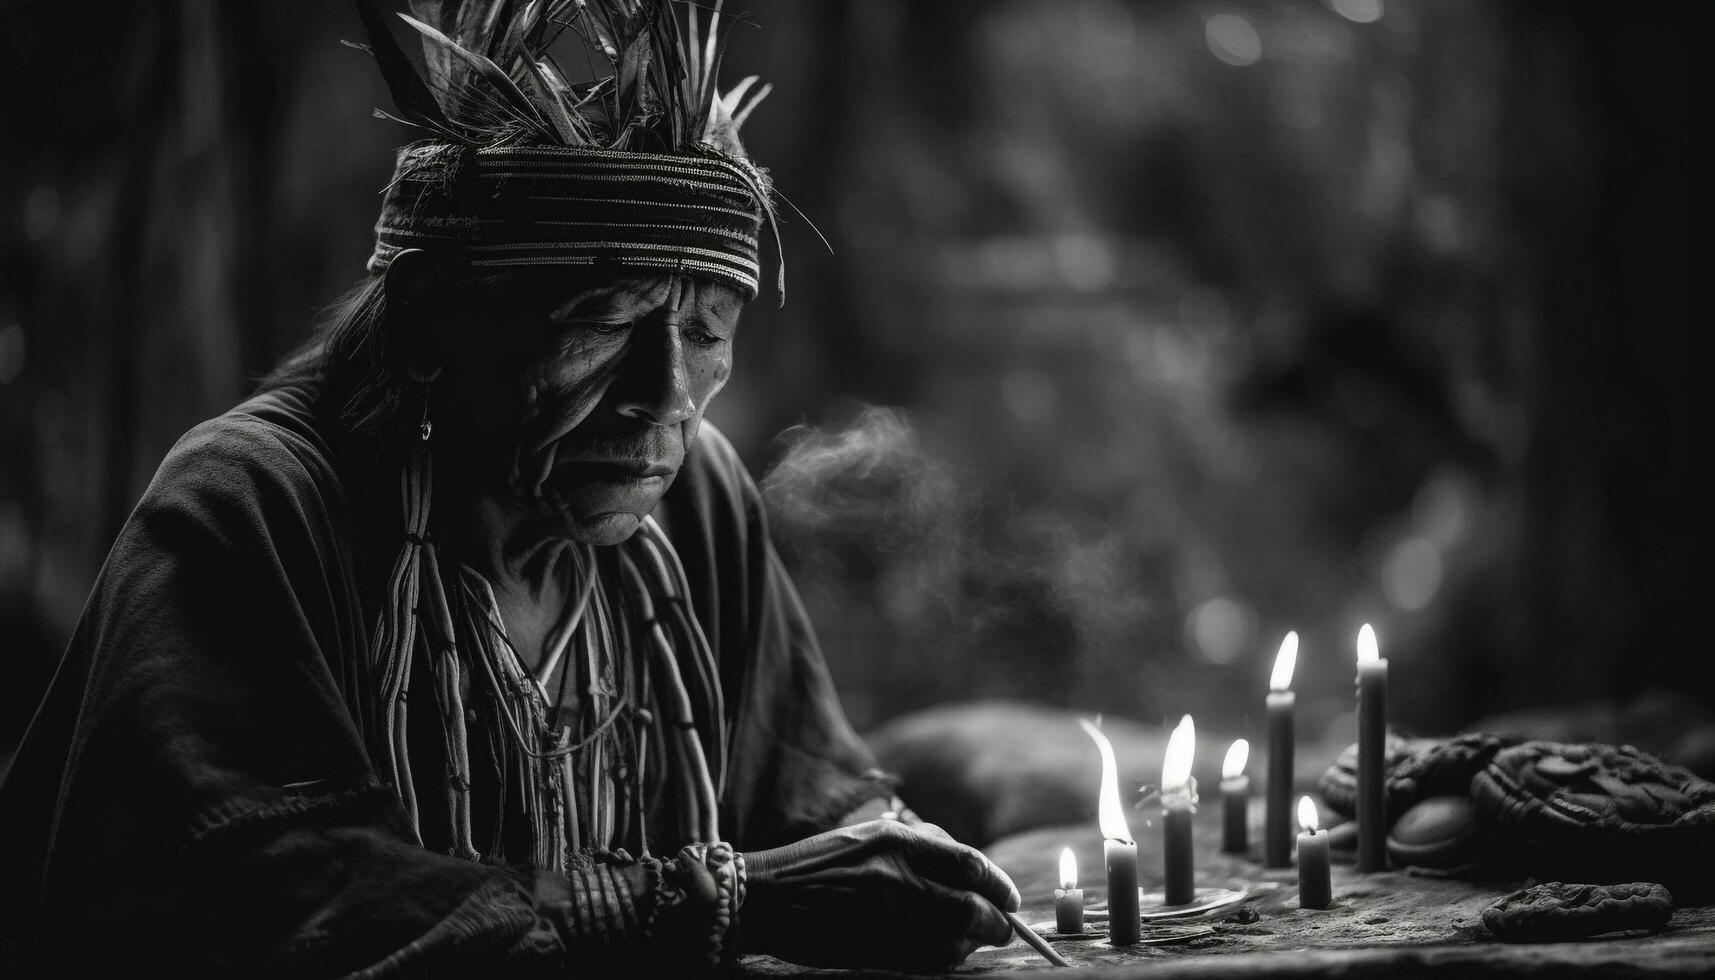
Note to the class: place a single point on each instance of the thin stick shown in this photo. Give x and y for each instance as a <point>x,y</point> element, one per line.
<point>1036,942</point>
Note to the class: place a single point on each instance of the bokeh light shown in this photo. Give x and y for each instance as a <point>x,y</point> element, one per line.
<point>1233,39</point>
<point>1358,11</point>
<point>1411,575</point>
<point>1220,630</point>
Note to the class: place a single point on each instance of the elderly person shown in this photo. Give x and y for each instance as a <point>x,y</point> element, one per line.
<point>462,644</point>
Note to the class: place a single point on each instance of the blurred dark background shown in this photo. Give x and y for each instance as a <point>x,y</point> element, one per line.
<point>1152,330</point>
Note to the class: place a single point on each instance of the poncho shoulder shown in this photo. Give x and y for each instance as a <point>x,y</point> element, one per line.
<point>194,788</point>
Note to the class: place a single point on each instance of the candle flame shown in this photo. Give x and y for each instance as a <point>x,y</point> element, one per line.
<point>1233,766</point>
<point>1284,661</point>
<point>1307,815</point>
<point>1068,869</point>
<point>1181,746</point>
<point>1368,650</point>
<point>1110,815</point>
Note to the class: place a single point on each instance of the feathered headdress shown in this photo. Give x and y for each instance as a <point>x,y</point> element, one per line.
<point>641,165</point>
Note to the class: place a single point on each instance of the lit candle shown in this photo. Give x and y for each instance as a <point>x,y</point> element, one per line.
<point>1372,746</point>
<point>1068,898</point>
<point>1314,889</point>
<point>1119,851</point>
<point>1178,804</point>
<point>1235,799</point>
<point>1277,822</point>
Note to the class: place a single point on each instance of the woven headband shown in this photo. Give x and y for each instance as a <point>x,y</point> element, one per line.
<point>515,206</point>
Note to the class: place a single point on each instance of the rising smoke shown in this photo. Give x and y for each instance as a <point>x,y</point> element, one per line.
<point>866,497</point>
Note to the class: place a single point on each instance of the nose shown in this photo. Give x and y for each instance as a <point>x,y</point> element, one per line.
<point>656,388</point>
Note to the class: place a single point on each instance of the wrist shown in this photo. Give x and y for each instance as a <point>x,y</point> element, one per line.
<point>694,900</point>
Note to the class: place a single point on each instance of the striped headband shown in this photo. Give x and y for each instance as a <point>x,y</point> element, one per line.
<point>515,206</point>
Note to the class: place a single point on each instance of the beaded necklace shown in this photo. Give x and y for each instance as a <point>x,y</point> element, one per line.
<point>653,719</point>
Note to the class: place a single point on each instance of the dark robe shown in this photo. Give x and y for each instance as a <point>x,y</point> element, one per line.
<point>194,792</point>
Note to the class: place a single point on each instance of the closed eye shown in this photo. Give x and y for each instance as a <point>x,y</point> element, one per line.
<point>704,337</point>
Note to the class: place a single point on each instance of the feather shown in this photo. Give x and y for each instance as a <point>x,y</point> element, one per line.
<point>488,40</point>
<point>550,73</point>
<point>707,74</point>
<point>795,210</point>
<point>411,97</point>
<point>433,13</point>
<point>554,20</point>
<point>601,26</point>
<point>488,76</point>
<point>729,101</point>
<point>693,53</point>
<point>548,101</point>
<point>513,42</point>
<point>520,104</point>
<point>664,82</point>
<point>711,94</point>
<point>712,116</point>
<point>633,68</point>
<point>740,116</point>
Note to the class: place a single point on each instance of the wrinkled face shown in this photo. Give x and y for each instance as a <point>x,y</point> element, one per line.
<point>576,401</point>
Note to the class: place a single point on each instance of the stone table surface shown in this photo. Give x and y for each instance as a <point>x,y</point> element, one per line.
<point>1393,924</point>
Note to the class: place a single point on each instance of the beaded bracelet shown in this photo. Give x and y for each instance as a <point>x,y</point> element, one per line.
<point>599,903</point>
<point>725,866</point>
<point>743,879</point>
<point>664,892</point>
<point>722,862</point>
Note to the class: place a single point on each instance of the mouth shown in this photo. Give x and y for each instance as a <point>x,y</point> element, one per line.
<point>592,485</point>
<point>626,473</point>
<point>616,470</point>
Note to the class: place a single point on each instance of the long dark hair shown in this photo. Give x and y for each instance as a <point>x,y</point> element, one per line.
<point>351,363</point>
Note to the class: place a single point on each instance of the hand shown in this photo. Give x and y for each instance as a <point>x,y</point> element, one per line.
<point>878,894</point>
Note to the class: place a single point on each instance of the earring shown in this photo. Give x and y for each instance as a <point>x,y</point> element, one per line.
<point>426,427</point>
